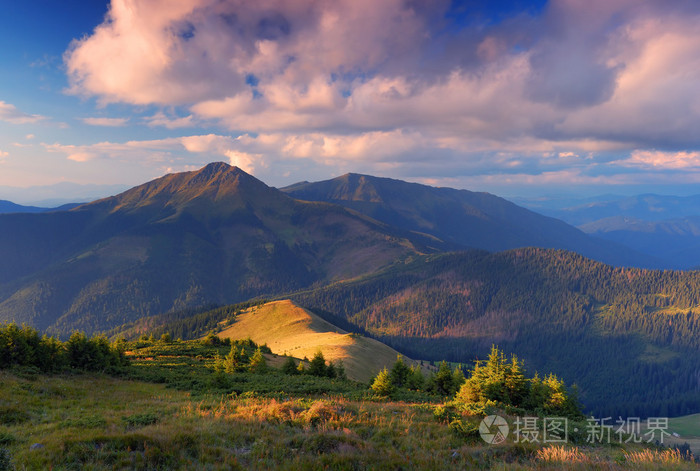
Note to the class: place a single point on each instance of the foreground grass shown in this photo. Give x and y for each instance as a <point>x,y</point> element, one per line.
<point>189,420</point>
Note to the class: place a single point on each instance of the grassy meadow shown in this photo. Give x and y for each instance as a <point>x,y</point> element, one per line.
<point>170,410</point>
<point>289,329</point>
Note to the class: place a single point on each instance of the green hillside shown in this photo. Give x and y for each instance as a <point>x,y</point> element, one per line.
<point>628,337</point>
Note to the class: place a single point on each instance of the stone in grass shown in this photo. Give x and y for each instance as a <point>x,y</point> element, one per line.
<point>36,446</point>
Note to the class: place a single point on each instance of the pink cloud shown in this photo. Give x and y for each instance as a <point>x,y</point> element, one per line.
<point>107,122</point>
<point>9,113</point>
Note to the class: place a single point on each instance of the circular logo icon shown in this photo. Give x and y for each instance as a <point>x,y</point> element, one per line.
<point>493,429</point>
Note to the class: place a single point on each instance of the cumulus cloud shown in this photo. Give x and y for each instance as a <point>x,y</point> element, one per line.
<point>108,122</point>
<point>666,160</point>
<point>11,114</point>
<point>402,86</point>
<point>161,120</point>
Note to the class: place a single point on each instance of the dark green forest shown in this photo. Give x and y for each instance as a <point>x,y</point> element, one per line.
<point>557,310</point>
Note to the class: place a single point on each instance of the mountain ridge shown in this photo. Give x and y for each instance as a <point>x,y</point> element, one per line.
<point>462,218</point>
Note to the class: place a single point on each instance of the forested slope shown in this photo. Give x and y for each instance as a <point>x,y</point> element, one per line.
<point>628,337</point>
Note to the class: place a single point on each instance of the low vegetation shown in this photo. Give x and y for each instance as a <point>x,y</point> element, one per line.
<point>231,404</point>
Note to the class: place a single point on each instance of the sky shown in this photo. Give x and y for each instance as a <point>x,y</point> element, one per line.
<point>511,97</point>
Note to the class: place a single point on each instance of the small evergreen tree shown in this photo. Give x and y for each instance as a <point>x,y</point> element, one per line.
<point>258,364</point>
<point>415,380</point>
<point>290,367</point>
<point>330,370</point>
<point>233,361</point>
<point>442,382</point>
<point>317,367</point>
<point>399,372</point>
<point>382,383</point>
<point>340,370</point>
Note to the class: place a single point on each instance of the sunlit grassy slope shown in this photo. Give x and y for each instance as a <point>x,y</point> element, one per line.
<point>289,329</point>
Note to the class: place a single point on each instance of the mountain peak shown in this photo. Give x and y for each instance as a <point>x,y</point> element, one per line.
<point>214,182</point>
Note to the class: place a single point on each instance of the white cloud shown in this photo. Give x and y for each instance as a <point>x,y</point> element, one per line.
<point>161,120</point>
<point>11,114</point>
<point>664,160</point>
<point>108,122</point>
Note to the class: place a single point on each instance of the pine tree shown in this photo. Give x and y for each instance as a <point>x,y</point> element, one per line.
<point>233,360</point>
<point>317,367</point>
<point>382,383</point>
<point>416,380</point>
<point>258,364</point>
<point>290,367</point>
<point>340,370</point>
<point>330,370</point>
<point>443,382</point>
<point>399,372</point>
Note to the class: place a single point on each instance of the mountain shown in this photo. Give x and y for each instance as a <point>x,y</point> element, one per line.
<point>664,227</point>
<point>674,240</point>
<point>462,219</point>
<point>10,207</point>
<point>58,194</point>
<point>645,207</point>
<point>217,235</point>
<point>627,337</point>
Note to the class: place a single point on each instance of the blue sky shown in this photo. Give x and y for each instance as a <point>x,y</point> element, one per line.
<point>511,97</point>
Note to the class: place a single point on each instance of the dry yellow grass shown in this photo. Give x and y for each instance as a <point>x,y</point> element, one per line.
<point>291,330</point>
<point>561,454</point>
<point>646,456</point>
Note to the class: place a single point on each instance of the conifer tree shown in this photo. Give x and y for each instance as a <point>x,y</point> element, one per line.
<point>258,364</point>
<point>399,372</point>
<point>232,361</point>
<point>382,383</point>
<point>340,370</point>
<point>290,367</point>
<point>416,380</point>
<point>317,367</point>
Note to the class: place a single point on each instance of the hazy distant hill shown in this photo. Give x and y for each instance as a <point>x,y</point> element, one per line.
<point>646,207</point>
<point>10,207</point>
<point>214,235</point>
<point>462,218</point>
<point>664,227</point>
<point>674,240</point>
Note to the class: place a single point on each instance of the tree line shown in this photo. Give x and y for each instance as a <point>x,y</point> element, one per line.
<point>25,347</point>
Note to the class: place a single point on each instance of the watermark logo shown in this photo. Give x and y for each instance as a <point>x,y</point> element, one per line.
<point>493,429</point>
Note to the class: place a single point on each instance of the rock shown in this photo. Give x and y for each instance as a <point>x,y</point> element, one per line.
<point>36,446</point>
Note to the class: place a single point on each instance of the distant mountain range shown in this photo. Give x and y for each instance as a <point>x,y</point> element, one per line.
<point>218,235</point>
<point>664,227</point>
<point>51,196</point>
<point>7,207</point>
<point>461,218</point>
